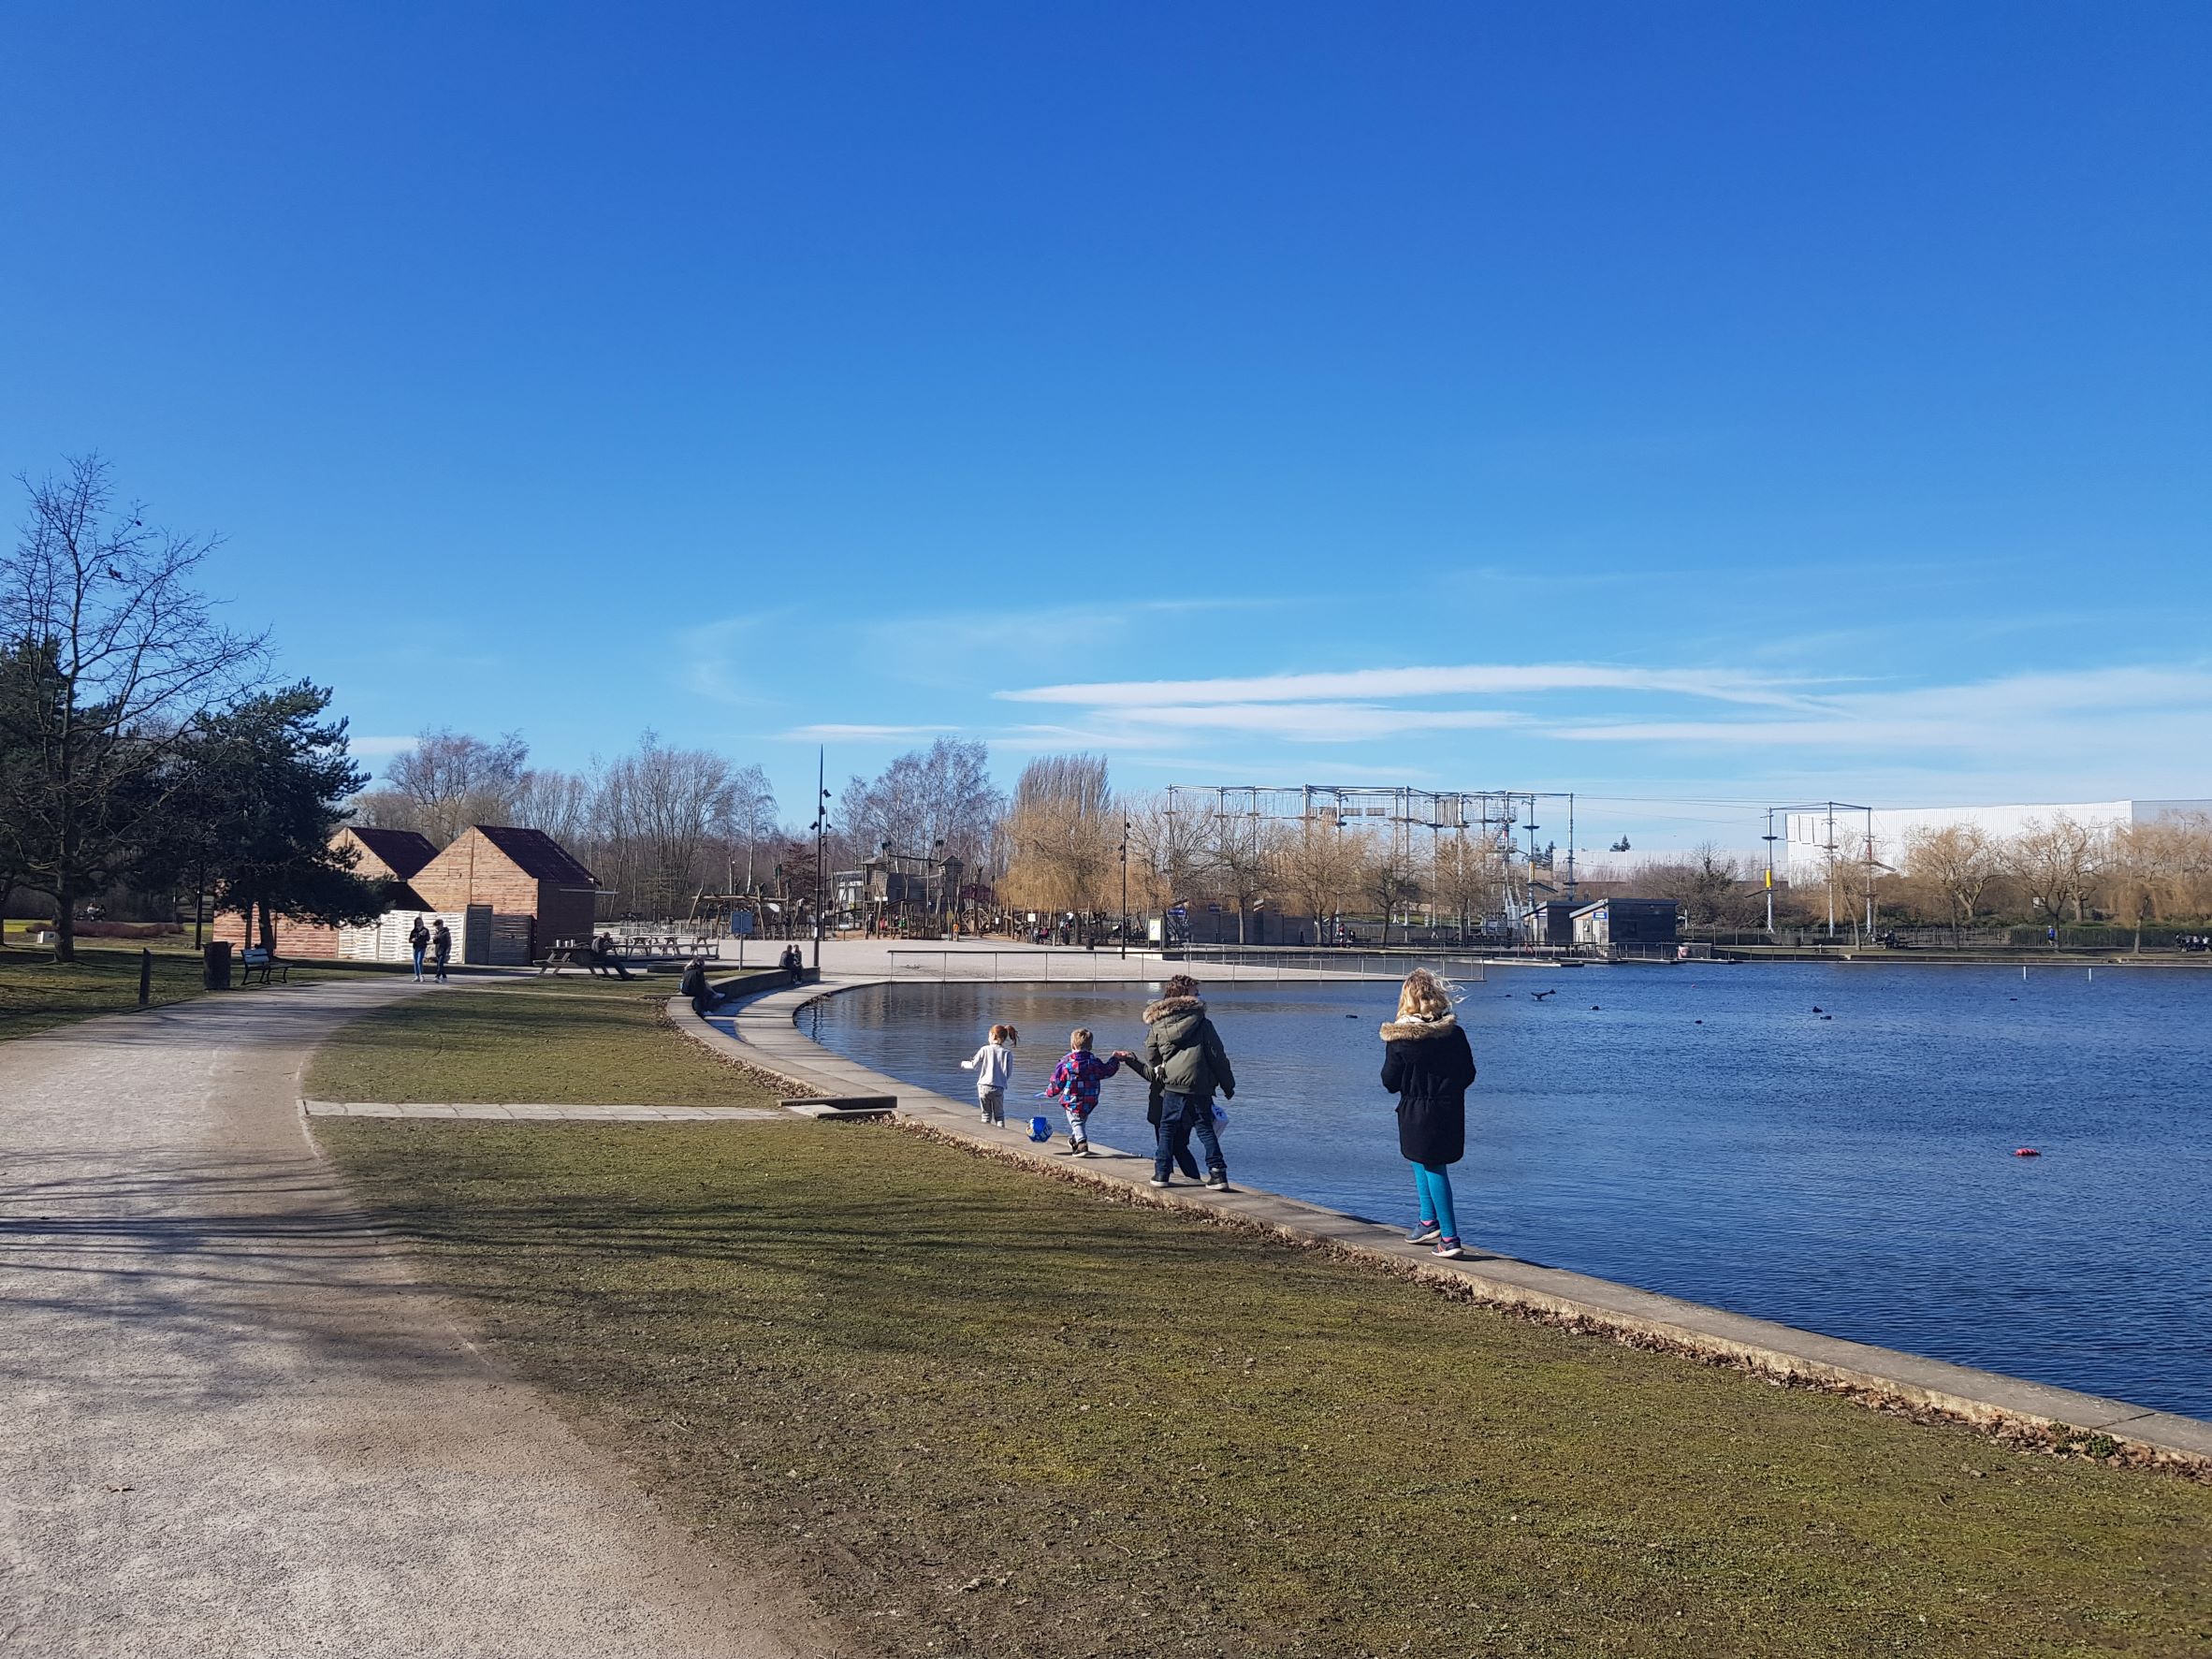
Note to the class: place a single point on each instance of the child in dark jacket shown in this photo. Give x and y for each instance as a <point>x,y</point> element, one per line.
<point>1186,1160</point>
<point>1075,1085</point>
<point>1428,1065</point>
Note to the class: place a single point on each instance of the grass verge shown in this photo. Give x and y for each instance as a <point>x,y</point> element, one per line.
<point>36,992</point>
<point>558,1040</point>
<point>982,1414</point>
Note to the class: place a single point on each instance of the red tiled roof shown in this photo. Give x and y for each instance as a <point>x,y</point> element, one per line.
<point>537,855</point>
<point>405,851</point>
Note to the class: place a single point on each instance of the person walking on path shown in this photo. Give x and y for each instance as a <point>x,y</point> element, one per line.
<point>1427,1063</point>
<point>1075,1085</point>
<point>419,940</point>
<point>441,946</point>
<point>1182,1053</point>
<point>1184,1160</point>
<point>992,1066</point>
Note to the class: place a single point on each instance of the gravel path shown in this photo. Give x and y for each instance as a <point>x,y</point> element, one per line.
<point>230,1427</point>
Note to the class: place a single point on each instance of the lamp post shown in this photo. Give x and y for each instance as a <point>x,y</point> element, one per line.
<point>820,833</point>
<point>1125,889</point>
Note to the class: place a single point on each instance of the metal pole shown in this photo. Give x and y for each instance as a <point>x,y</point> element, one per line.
<point>1125,890</point>
<point>821,825</point>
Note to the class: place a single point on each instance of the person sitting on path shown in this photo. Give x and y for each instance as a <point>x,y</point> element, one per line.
<point>1184,1158</point>
<point>1183,1054</point>
<point>419,940</point>
<point>794,962</point>
<point>992,1066</point>
<point>1427,1063</point>
<point>693,985</point>
<point>1075,1085</point>
<point>441,946</point>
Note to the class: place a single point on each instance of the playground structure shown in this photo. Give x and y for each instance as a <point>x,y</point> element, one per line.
<point>1416,822</point>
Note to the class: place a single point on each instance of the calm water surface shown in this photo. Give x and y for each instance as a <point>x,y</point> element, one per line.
<point>1852,1174</point>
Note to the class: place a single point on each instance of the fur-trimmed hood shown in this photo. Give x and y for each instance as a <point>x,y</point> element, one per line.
<point>1413,1030</point>
<point>1156,1012</point>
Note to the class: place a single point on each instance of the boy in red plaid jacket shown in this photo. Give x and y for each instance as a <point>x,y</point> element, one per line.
<point>1075,1084</point>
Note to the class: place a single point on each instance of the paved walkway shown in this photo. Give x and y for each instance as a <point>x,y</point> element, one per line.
<point>761,1029</point>
<point>230,1427</point>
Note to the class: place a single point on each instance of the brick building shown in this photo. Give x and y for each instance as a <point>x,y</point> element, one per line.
<point>505,893</point>
<point>513,874</point>
<point>389,856</point>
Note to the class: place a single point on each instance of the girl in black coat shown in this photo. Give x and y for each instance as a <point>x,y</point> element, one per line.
<point>1428,1065</point>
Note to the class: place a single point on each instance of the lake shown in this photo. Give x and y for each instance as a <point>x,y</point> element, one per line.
<point>1700,1130</point>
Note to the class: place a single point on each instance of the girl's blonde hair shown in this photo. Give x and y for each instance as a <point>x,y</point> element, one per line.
<point>1004,1034</point>
<point>1078,1037</point>
<point>1422,996</point>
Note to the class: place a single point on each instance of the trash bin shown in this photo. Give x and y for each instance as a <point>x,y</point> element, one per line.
<point>215,965</point>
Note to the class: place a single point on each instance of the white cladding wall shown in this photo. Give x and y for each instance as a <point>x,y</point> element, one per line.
<point>1803,854</point>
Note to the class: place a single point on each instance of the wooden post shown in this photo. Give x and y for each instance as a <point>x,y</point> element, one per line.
<point>145,977</point>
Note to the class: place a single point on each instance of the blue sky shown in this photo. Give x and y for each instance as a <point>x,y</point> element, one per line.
<point>1684,405</point>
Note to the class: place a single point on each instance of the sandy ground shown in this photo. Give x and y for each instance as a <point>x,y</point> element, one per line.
<point>230,1426</point>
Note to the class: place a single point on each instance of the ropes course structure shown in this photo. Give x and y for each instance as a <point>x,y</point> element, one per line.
<point>1419,825</point>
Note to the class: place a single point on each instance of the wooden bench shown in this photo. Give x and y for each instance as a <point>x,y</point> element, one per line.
<point>255,960</point>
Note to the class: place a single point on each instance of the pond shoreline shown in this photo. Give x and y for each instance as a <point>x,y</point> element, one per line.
<point>761,1033</point>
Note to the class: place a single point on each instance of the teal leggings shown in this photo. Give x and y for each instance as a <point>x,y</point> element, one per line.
<point>1433,1183</point>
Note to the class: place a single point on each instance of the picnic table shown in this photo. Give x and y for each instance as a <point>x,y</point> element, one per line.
<point>570,953</point>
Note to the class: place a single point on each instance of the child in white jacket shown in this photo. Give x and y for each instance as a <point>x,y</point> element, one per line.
<point>992,1066</point>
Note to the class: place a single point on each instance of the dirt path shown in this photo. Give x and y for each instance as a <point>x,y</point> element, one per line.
<point>229,1426</point>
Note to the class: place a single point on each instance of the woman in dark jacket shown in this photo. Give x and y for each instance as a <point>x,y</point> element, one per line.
<point>1428,1065</point>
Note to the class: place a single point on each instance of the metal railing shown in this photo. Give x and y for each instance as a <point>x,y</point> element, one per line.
<point>1219,965</point>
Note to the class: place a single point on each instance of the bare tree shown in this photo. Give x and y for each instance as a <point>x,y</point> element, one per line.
<point>1390,876</point>
<point>1960,861</point>
<point>2054,864</point>
<point>115,660</point>
<point>924,800</point>
<point>660,812</point>
<point>555,803</point>
<point>1320,866</point>
<point>1470,878</point>
<point>1245,848</point>
<point>450,781</point>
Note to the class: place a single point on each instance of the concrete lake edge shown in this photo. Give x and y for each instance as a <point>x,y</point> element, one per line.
<point>763,1036</point>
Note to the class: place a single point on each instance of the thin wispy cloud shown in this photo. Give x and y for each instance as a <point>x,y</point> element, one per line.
<point>830,731</point>
<point>379,749</point>
<point>1725,685</point>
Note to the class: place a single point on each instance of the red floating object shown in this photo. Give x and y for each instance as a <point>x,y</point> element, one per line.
<point>2025,1152</point>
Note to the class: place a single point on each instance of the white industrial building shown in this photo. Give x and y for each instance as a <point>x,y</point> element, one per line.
<point>1808,833</point>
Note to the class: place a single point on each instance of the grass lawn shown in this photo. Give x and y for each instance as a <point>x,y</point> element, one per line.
<point>562,1041</point>
<point>36,992</point>
<point>980,1412</point>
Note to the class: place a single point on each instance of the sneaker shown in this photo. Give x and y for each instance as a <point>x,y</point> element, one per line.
<point>1217,1183</point>
<point>1449,1250</point>
<point>1082,1149</point>
<point>1428,1232</point>
<point>1158,1182</point>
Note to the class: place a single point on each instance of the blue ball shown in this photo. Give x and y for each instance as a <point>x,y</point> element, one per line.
<point>1040,1128</point>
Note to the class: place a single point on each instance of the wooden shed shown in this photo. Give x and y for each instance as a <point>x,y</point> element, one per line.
<point>533,889</point>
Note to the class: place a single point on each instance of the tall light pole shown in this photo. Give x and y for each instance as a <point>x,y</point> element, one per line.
<point>1125,889</point>
<point>820,833</point>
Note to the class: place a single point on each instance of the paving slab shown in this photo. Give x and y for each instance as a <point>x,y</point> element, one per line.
<point>760,1029</point>
<point>232,1424</point>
